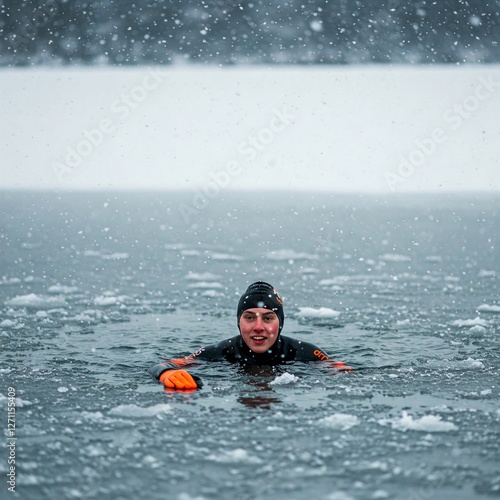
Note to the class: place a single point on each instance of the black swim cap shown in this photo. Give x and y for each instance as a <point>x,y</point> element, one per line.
<point>261,294</point>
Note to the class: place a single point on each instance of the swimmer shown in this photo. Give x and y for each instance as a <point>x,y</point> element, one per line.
<point>260,321</point>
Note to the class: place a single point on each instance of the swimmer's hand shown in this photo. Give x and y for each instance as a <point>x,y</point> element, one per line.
<point>339,366</point>
<point>179,379</point>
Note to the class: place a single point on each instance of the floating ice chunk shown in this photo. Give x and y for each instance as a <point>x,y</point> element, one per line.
<point>19,402</point>
<point>62,389</point>
<point>339,495</point>
<point>62,289</point>
<point>340,421</point>
<point>322,312</point>
<point>8,323</point>
<point>110,300</point>
<point>190,253</point>
<point>173,246</point>
<point>233,456</point>
<point>202,276</point>
<point>469,364</point>
<point>434,258</point>
<point>9,281</point>
<point>224,256</point>
<point>483,273</point>
<point>289,255</point>
<point>116,256</point>
<point>101,300</point>
<point>309,270</point>
<point>477,329</point>
<point>404,322</point>
<point>338,280</point>
<point>284,379</point>
<point>470,322</point>
<point>211,293</point>
<point>187,496</point>
<point>485,308</point>
<point>428,423</point>
<point>91,253</point>
<point>35,301</point>
<point>394,257</point>
<point>111,256</point>
<point>206,284</point>
<point>380,494</point>
<point>140,411</point>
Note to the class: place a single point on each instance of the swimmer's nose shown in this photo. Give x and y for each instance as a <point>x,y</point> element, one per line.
<point>259,325</point>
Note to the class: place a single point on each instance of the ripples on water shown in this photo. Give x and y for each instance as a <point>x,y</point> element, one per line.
<point>95,288</point>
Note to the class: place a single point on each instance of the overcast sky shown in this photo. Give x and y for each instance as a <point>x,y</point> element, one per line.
<point>370,128</point>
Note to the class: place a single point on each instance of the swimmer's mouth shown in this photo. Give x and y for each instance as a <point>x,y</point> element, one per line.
<point>258,338</point>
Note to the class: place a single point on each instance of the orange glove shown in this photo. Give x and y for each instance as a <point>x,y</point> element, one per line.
<point>178,379</point>
<point>340,366</point>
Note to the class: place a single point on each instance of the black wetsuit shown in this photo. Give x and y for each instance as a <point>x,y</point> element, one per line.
<point>234,350</point>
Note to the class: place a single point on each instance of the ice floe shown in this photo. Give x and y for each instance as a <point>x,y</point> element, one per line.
<point>234,456</point>
<point>19,402</point>
<point>14,325</point>
<point>106,256</point>
<point>484,273</point>
<point>284,379</point>
<point>111,300</point>
<point>206,285</point>
<point>470,322</point>
<point>36,301</point>
<point>285,254</point>
<point>394,257</point>
<point>140,411</point>
<point>485,308</point>
<point>224,256</point>
<point>202,276</point>
<point>340,421</point>
<point>312,313</point>
<point>62,289</point>
<point>9,281</point>
<point>427,423</point>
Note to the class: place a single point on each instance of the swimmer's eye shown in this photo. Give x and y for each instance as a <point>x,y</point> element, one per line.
<point>268,318</point>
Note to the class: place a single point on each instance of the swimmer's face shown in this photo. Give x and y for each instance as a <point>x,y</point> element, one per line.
<point>259,328</point>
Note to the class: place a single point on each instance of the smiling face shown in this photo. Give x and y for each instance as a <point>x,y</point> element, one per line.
<point>259,328</point>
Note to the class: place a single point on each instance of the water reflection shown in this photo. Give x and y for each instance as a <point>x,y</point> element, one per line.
<point>259,378</point>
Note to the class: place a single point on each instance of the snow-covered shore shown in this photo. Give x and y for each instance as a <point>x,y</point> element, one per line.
<point>355,128</point>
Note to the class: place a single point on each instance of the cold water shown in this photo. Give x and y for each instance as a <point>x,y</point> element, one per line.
<point>96,287</point>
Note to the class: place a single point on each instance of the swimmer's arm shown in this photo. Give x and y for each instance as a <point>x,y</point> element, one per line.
<point>311,352</point>
<point>174,378</point>
<point>180,378</point>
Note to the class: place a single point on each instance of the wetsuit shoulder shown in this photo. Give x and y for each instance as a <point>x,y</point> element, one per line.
<point>303,351</point>
<point>226,349</point>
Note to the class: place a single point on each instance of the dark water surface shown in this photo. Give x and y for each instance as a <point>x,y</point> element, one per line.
<point>96,287</point>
